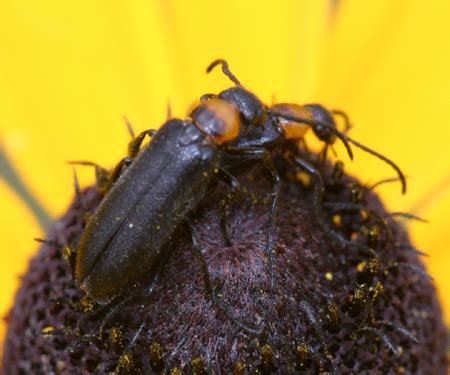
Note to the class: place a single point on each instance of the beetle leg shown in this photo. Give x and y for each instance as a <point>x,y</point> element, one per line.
<point>104,179</point>
<point>322,155</point>
<point>138,293</point>
<point>317,201</point>
<point>212,294</point>
<point>129,348</point>
<point>234,185</point>
<point>118,306</point>
<point>314,320</point>
<point>55,244</point>
<point>168,110</point>
<point>275,180</point>
<point>116,172</point>
<point>382,224</point>
<point>101,174</point>
<point>115,306</point>
<point>135,145</point>
<point>78,197</point>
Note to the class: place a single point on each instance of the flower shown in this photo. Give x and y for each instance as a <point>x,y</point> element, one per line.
<point>334,306</point>
<point>71,71</point>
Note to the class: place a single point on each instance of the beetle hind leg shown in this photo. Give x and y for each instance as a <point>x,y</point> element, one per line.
<point>215,299</point>
<point>274,178</point>
<point>318,189</point>
<point>234,186</point>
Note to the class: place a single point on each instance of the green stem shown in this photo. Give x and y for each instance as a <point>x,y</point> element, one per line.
<point>12,178</point>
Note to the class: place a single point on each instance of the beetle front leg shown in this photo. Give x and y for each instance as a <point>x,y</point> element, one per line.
<point>234,186</point>
<point>345,118</point>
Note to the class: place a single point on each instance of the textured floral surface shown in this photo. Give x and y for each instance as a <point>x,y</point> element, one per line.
<point>69,72</point>
<point>395,329</point>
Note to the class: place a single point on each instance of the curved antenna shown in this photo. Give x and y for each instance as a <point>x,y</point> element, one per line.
<point>345,117</point>
<point>407,215</point>
<point>345,140</point>
<point>225,70</point>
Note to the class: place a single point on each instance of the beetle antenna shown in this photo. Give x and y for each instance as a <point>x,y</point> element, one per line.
<point>83,162</point>
<point>407,215</point>
<point>168,110</point>
<point>225,70</point>
<point>345,140</point>
<point>313,319</point>
<point>347,123</point>
<point>383,181</point>
<point>404,331</point>
<point>411,267</point>
<point>49,242</point>
<point>385,340</point>
<point>129,126</point>
<point>384,158</point>
<point>410,248</point>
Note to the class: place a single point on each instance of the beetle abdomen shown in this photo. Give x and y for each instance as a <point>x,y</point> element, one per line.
<point>140,213</point>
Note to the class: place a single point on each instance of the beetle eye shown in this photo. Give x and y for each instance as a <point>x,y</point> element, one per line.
<point>325,134</point>
<point>127,161</point>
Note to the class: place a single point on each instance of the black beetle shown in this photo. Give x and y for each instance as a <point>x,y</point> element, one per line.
<point>125,236</point>
<point>145,202</point>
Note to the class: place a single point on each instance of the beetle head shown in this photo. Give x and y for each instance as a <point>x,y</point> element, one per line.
<point>320,113</point>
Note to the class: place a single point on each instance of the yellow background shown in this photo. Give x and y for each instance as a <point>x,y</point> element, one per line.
<point>70,70</point>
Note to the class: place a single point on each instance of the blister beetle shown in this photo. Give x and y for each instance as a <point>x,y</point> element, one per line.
<point>163,182</point>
